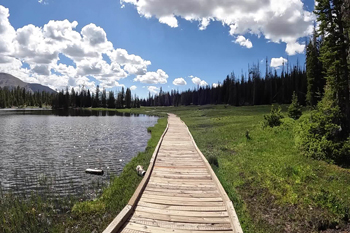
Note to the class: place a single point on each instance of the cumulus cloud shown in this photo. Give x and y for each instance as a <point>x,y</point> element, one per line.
<point>153,89</point>
<point>159,77</point>
<point>242,41</point>
<point>199,82</point>
<point>277,62</point>
<point>294,48</point>
<point>179,82</point>
<point>170,20</point>
<point>215,85</point>
<point>133,64</point>
<point>277,20</point>
<point>133,87</point>
<point>40,47</point>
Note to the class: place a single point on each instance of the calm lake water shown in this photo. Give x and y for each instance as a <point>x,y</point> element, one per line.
<point>48,151</point>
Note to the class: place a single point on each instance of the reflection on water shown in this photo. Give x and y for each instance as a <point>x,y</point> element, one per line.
<point>41,150</point>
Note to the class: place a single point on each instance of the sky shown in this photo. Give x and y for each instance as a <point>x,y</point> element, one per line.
<point>148,44</point>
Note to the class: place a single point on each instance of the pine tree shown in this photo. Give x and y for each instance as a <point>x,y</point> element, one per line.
<point>294,109</point>
<point>315,80</point>
<point>128,98</point>
<point>333,55</point>
<point>111,100</point>
<point>104,98</point>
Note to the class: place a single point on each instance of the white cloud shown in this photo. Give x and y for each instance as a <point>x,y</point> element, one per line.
<point>215,85</point>
<point>242,41</point>
<point>133,87</point>
<point>199,82</point>
<point>179,82</point>
<point>277,62</point>
<point>294,48</point>
<point>159,77</point>
<point>43,2</point>
<point>153,89</point>
<point>40,48</point>
<point>204,24</point>
<point>133,64</point>
<point>276,20</point>
<point>170,20</point>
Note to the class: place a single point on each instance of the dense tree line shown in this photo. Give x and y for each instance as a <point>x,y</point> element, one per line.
<point>251,89</point>
<point>19,97</point>
<point>98,99</point>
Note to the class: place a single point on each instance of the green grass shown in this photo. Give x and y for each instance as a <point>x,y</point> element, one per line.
<point>274,187</point>
<point>37,214</point>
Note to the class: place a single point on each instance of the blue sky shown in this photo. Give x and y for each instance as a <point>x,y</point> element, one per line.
<point>165,36</point>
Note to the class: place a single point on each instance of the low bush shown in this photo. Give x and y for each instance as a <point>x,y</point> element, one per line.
<point>213,160</point>
<point>274,118</point>
<point>319,135</point>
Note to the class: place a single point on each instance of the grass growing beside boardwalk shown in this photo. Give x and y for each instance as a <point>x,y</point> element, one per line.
<point>273,186</point>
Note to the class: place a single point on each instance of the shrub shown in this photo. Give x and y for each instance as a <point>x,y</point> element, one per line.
<point>213,160</point>
<point>319,134</point>
<point>294,109</point>
<point>274,118</point>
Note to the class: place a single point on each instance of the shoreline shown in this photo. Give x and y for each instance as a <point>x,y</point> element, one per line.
<point>72,214</point>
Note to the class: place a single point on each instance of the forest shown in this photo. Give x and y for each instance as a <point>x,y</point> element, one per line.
<point>20,97</point>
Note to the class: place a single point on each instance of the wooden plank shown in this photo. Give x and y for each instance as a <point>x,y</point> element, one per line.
<point>183,213</point>
<point>119,221</point>
<point>185,177</point>
<point>182,226</point>
<point>157,168</point>
<point>180,203</point>
<point>188,208</point>
<point>177,191</point>
<point>147,228</point>
<point>182,187</point>
<point>183,219</point>
<point>169,194</point>
<point>155,179</point>
<point>189,199</point>
<point>181,172</point>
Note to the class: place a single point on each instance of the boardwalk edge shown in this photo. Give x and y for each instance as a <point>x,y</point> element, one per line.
<point>229,205</point>
<point>119,221</point>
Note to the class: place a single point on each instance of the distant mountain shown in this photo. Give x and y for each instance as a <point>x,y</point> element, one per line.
<point>7,80</point>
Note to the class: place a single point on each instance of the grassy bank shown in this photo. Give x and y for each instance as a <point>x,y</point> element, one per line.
<point>39,214</point>
<point>273,186</point>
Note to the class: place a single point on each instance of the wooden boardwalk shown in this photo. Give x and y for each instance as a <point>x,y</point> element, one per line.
<point>179,193</point>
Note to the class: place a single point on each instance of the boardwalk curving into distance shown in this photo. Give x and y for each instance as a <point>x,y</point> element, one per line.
<point>179,192</point>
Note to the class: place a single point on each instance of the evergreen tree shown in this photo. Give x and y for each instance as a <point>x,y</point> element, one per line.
<point>111,100</point>
<point>315,80</point>
<point>122,98</point>
<point>333,55</point>
<point>128,98</point>
<point>104,98</point>
<point>294,109</point>
<point>96,99</point>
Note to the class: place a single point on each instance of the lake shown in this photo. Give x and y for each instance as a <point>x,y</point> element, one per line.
<point>48,151</point>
